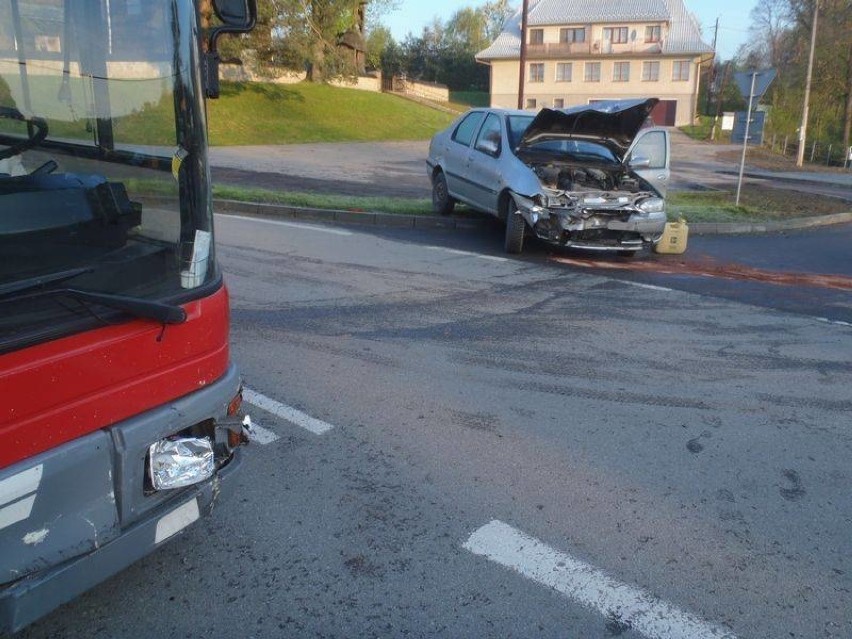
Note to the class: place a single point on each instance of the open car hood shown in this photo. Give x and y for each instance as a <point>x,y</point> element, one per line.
<point>612,123</point>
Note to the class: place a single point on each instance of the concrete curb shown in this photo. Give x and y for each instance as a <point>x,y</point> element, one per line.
<point>364,218</point>
<point>729,228</point>
<point>392,220</point>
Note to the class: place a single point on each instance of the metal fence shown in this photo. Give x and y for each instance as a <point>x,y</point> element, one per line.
<point>816,152</point>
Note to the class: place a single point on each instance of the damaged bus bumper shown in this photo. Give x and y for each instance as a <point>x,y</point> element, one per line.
<point>78,514</point>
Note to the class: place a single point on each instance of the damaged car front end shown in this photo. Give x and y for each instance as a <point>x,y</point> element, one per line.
<point>591,177</point>
<point>592,164</point>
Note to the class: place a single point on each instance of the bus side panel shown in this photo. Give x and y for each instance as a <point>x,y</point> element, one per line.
<point>57,506</point>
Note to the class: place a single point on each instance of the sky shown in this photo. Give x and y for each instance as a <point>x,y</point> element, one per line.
<point>413,15</point>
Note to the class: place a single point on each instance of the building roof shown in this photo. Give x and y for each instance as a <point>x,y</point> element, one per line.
<point>684,34</point>
<point>550,12</point>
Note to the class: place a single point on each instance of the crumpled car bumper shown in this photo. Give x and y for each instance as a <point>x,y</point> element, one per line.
<point>605,229</point>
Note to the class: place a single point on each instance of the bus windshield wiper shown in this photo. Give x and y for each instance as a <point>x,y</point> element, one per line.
<point>32,283</point>
<point>147,309</point>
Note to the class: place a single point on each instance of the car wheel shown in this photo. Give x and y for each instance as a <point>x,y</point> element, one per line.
<point>515,228</point>
<point>442,203</point>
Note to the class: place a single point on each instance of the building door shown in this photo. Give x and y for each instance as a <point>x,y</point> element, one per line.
<point>665,113</point>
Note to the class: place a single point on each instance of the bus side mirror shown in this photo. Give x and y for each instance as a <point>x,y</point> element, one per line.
<point>237,16</point>
<point>234,13</point>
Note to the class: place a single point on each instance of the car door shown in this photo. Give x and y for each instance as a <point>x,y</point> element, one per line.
<point>457,153</point>
<point>483,177</point>
<point>649,157</point>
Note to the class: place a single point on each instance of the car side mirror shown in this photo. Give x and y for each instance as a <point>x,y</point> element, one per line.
<point>640,163</point>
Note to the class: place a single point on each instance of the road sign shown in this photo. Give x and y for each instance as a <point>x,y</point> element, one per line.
<point>762,80</point>
<point>752,85</point>
<point>755,129</point>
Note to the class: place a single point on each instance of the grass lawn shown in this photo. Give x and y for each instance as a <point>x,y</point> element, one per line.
<point>757,204</point>
<point>256,113</point>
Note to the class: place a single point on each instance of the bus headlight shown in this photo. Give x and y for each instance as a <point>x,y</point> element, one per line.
<point>177,463</point>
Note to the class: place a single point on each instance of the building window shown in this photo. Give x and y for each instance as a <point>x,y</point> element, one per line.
<point>563,71</point>
<point>571,35</point>
<point>531,103</point>
<point>558,103</point>
<point>680,70</point>
<point>616,35</point>
<point>621,72</point>
<point>650,71</point>
<point>537,72</point>
<point>652,34</point>
<point>593,72</point>
<point>536,36</point>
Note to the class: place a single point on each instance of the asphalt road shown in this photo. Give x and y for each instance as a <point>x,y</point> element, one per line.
<point>518,448</point>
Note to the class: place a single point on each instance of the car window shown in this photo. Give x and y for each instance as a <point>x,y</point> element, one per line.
<point>489,138</point>
<point>652,145</point>
<point>465,130</point>
<point>515,127</point>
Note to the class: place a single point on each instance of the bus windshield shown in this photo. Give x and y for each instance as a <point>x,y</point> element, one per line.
<point>103,162</point>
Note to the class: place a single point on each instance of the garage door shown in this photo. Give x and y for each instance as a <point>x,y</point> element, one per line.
<point>665,113</point>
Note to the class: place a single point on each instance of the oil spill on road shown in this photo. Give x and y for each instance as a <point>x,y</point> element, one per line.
<point>707,267</point>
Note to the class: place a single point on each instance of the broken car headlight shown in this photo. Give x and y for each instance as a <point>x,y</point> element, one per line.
<point>652,205</point>
<point>176,463</point>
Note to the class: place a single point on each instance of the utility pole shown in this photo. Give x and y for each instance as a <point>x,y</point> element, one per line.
<point>803,130</point>
<point>712,75</point>
<point>522,74</point>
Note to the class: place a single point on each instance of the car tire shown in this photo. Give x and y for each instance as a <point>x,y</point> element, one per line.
<point>515,229</point>
<point>442,202</point>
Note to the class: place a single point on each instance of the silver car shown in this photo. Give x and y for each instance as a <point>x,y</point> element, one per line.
<point>592,177</point>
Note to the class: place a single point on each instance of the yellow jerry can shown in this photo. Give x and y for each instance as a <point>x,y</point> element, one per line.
<point>674,238</point>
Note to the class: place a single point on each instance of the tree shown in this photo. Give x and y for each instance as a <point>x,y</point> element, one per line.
<point>379,40</point>
<point>307,34</point>
<point>496,13</point>
<point>770,24</point>
<point>781,31</point>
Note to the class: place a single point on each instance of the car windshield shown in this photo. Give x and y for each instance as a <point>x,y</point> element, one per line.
<point>103,175</point>
<point>581,150</point>
<point>516,125</point>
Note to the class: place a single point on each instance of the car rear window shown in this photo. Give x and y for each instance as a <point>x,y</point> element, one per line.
<point>467,127</point>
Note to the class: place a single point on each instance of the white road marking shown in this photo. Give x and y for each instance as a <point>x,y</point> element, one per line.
<point>650,287</point>
<point>293,415</point>
<point>258,434</point>
<point>292,225</point>
<point>825,320</point>
<point>181,517</point>
<point>491,258</point>
<point>589,586</point>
